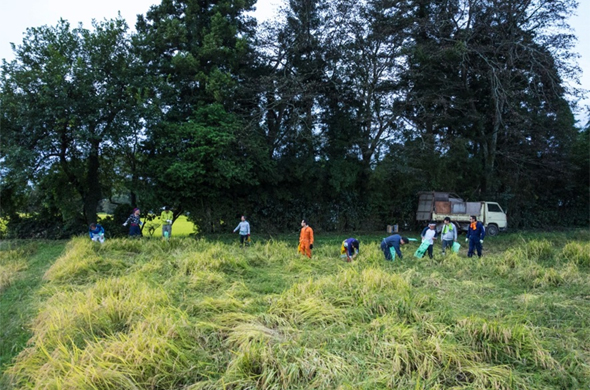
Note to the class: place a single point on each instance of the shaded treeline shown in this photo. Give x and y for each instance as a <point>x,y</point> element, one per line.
<point>337,111</point>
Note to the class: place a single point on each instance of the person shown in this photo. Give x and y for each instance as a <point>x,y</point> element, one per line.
<point>305,239</point>
<point>448,234</point>
<point>475,235</point>
<point>394,242</point>
<point>135,222</point>
<point>96,232</point>
<point>244,230</point>
<point>166,217</point>
<point>429,235</point>
<point>350,249</point>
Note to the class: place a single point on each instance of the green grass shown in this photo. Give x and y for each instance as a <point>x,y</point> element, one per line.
<point>207,314</point>
<point>182,227</point>
<point>19,295</point>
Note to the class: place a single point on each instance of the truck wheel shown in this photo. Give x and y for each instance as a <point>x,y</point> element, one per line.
<point>492,230</point>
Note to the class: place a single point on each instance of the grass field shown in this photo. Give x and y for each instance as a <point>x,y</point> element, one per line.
<point>206,314</point>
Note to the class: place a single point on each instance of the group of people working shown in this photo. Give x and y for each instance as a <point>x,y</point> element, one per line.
<point>96,231</point>
<point>448,234</point>
<point>349,250</point>
<point>475,234</point>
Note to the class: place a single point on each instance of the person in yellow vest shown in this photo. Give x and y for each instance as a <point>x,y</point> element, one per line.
<point>166,217</point>
<point>448,235</point>
<point>305,239</point>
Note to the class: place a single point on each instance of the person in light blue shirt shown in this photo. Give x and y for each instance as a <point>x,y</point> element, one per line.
<point>244,230</point>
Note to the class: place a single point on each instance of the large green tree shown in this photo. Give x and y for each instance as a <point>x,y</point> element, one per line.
<point>485,87</point>
<point>69,96</point>
<point>198,55</point>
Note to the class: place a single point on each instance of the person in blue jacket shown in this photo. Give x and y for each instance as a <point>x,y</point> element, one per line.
<point>350,249</point>
<point>475,235</point>
<point>96,232</point>
<point>393,242</point>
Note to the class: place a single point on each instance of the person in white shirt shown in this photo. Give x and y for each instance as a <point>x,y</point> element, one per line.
<point>429,234</point>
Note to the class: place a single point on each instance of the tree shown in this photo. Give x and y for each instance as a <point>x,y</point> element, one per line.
<point>486,78</point>
<point>198,54</point>
<point>68,97</point>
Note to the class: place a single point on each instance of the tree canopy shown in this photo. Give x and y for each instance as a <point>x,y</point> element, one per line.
<point>337,111</point>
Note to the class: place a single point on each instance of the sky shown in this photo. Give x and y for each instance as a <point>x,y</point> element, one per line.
<point>17,16</point>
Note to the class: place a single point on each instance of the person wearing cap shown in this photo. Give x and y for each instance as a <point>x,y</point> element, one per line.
<point>350,249</point>
<point>394,241</point>
<point>166,217</point>
<point>305,239</point>
<point>244,231</point>
<point>134,224</point>
<point>448,234</point>
<point>429,235</point>
<point>475,235</point>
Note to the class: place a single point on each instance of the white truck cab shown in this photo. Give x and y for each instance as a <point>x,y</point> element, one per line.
<point>436,206</point>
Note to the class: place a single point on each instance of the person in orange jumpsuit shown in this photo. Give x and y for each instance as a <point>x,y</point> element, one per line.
<point>305,239</point>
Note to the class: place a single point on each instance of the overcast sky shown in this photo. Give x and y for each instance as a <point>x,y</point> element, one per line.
<point>17,16</point>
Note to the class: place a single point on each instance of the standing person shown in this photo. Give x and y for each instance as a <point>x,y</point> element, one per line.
<point>429,234</point>
<point>393,242</point>
<point>244,228</point>
<point>135,222</point>
<point>350,248</point>
<point>166,217</point>
<point>96,232</point>
<point>448,235</point>
<point>305,239</point>
<point>475,235</point>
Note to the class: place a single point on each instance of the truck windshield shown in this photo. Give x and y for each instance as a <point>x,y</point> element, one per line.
<point>494,208</point>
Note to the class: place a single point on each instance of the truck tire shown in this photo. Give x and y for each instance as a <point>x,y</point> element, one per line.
<point>492,230</point>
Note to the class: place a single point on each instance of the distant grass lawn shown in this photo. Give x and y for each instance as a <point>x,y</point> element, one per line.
<point>207,314</point>
<point>182,227</point>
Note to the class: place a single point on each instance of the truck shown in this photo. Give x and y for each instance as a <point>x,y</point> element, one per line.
<point>435,206</point>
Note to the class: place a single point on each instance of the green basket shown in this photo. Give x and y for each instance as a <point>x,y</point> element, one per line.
<point>422,249</point>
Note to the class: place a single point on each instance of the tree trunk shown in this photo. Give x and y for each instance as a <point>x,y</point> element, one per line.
<point>93,195</point>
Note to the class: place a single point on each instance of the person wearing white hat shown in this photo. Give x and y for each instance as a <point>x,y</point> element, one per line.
<point>429,234</point>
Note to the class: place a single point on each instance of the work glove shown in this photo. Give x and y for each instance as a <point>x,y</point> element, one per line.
<point>125,224</point>
<point>101,234</point>
<point>248,235</point>
<point>467,239</point>
<point>481,241</point>
<point>169,221</point>
<point>140,223</point>
<point>310,246</point>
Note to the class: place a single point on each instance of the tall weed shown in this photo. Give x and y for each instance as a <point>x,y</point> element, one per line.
<point>578,253</point>
<point>505,343</point>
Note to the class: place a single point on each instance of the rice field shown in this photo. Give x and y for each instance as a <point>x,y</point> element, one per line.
<point>207,314</point>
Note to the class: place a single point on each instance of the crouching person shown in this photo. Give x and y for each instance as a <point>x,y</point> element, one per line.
<point>96,232</point>
<point>391,244</point>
